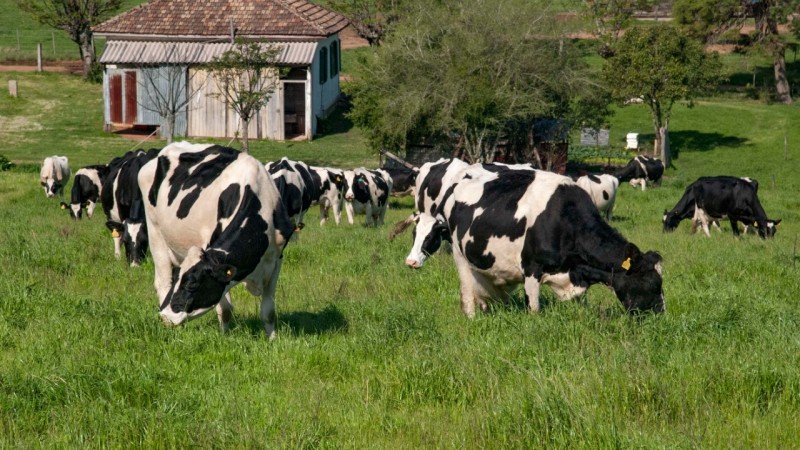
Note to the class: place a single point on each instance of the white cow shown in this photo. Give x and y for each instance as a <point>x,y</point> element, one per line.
<point>54,175</point>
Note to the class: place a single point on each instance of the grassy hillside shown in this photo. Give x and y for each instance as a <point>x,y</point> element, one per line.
<point>373,355</point>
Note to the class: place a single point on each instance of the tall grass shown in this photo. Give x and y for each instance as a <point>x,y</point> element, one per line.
<point>373,355</point>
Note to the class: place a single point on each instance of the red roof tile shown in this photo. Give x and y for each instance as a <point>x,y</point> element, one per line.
<point>266,18</point>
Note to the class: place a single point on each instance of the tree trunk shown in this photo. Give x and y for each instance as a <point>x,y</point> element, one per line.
<point>782,90</point>
<point>87,52</point>
<point>245,135</point>
<point>170,123</point>
<point>767,28</point>
<point>663,138</point>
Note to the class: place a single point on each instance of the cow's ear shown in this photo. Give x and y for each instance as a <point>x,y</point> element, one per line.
<point>632,256</point>
<point>64,205</point>
<point>112,225</point>
<point>776,222</point>
<point>224,273</point>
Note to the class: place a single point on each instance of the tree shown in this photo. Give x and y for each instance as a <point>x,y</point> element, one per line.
<point>463,73</point>
<point>76,17</point>
<point>166,87</point>
<point>246,77</point>
<point>661,66</point>
<point>372,19</point>
<point>708,19</point>
<point>612,17</point>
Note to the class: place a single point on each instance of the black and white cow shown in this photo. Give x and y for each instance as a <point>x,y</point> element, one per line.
<point>531,227</point>
<point>329,184</point>
<point>54,175</point>
<point>602,189</point>
<point>296,187</point>
<point>710,199</point>
<point>368,190</point>
<point>215,215</point>
<point>641,170</point>
<point>432,178</point>
<point>86,189</point>
<point>122,204</point>
<point>403,180</point>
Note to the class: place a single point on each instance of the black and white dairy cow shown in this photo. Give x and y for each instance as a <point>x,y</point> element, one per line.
<point>403,180</point>
<point>641,170</point>
<point>215,215</point>
<point>367,191</point>
<point>123,206</point>
<point>296,187</point>
<point>531,227</point>
<point>86,189</point>
<point>54,175</point>
<point>602,189</point>
<point>329,184</point>
<point>710,199</point>
<point>432,180</point>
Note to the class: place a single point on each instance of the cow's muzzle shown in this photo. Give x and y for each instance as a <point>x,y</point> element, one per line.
<point>413,263</point>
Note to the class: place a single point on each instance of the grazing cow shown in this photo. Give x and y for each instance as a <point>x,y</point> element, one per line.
<point>54,175</point>
<point>367,189</point>
<point>710,199</point>
<point>403,180</point>
<point>532,227</point>
<point>122,204</point>
<point>641,170</point>
<point>431,179</point>
<point>86,189</point>
<point>215,215</point>
<point>296,187</point>
<point>329,184</point>
<point>602,189</point>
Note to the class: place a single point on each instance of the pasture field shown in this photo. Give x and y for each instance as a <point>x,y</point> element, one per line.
<point>370,354</point>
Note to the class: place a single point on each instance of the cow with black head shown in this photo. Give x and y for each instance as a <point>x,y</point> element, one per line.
<point>329,184</point>
<point>368,191</point>
<point>641,170</point>
<point>215,220</point>
<point>86,189</point>
<point>54,175</point>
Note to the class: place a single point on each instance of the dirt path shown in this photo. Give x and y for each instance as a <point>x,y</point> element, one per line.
<point>73,67</point>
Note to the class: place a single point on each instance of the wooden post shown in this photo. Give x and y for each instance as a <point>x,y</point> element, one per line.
<point>12,88</point>
<point>17,39</point>
<point>53,36</point>
<point>785,147</point>
<point>39,57</point>
<point>396,158</point>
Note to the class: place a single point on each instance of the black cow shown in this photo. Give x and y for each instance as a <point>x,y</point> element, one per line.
<point>531,227</point>
<point>215,216</point>
<point>641,170</point>
<point>122,204</point>
<point>86,189</point>
<point>709,199</point>
<point>403,180</point>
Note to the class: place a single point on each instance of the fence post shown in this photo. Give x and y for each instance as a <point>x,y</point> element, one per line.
<point>18,48</point>
<point>39,57</point>
<point>12,87</point>
<point>785,147</point>
<point>53,37</point>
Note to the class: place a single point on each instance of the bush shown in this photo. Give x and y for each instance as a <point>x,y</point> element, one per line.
<point>599,155</point>
<point>5,164</point>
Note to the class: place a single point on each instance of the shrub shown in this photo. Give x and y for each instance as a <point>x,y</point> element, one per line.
<point>5,164</point>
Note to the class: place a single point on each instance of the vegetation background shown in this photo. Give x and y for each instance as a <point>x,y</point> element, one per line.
<point>373,355</point>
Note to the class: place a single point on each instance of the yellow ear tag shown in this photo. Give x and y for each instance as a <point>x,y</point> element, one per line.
<point>626,264</point>
<point>338,178</point>
<point>63,207</point>
<point>297,228</point>
<point>229,273</point>
<point>114,233</point>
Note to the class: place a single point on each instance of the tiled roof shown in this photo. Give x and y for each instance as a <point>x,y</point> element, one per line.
<point>149,52</point>
<point>284,18</point>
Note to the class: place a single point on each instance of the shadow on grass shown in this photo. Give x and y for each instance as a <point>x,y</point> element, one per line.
<point>329,320</point>
<point>337,122</point>
<point>696,141</point>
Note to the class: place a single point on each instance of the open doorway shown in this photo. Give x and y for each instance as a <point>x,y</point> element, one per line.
<point>294,107</point>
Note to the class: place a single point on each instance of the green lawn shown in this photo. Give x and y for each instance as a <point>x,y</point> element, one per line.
<point>373,355</point>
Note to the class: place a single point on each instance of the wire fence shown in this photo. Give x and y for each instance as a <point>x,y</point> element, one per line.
<point>17,44</point>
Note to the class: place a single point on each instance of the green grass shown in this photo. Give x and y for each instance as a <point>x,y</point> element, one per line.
<point>373,355</point>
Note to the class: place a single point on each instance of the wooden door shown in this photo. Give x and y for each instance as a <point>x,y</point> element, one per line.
<point>130,97</point>
<point>115,98</point>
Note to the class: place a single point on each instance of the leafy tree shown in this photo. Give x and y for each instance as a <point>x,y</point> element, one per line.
<point>76,17</point>
<point>612,17</point>
<point>708,19</point>
<point>372,19</point>
<point>661,66</point>
<point>466,72</point>
<point>246,77</point>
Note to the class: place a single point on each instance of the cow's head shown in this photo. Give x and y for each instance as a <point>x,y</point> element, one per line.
<point>134,238</point>
<point>769,228</point>
<point>197,286</point>
<point>76,209</point>
<point>670,221</point>
<point>51,186</point>
<point>637,281</point>
<point>427,238</point>
<point>356,186</point>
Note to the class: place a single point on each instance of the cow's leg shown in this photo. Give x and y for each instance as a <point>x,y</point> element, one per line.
<point>268,315</point>
<point>225,311</point>
<point>383,213</point>
<point>532,286</point>
<point>337,211</point>
<point>323,212</point>
<point>643,182</point>
<point>472,289</point>
<point>368,211</point>
<point>117,249</point>
<point>734,227</point>
<point>90,209</point>
<point>163,265</point>
<point>348,208</point>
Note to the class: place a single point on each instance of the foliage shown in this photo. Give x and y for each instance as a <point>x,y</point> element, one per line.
<point>495,63</point>
<point>246,77</point>
<point>662,66</point>
<point>5,164</point>
<point>76,17</point>
<point>372,19</point>
<point>611,18</point>
<point>599,155</point>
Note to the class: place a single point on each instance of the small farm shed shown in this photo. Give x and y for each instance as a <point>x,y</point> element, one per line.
<point>163,36</point>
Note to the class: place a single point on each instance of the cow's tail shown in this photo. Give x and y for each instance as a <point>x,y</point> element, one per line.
<point>401,226</point>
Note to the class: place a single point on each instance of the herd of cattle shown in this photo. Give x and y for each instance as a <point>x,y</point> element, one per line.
<point>213,217</point>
